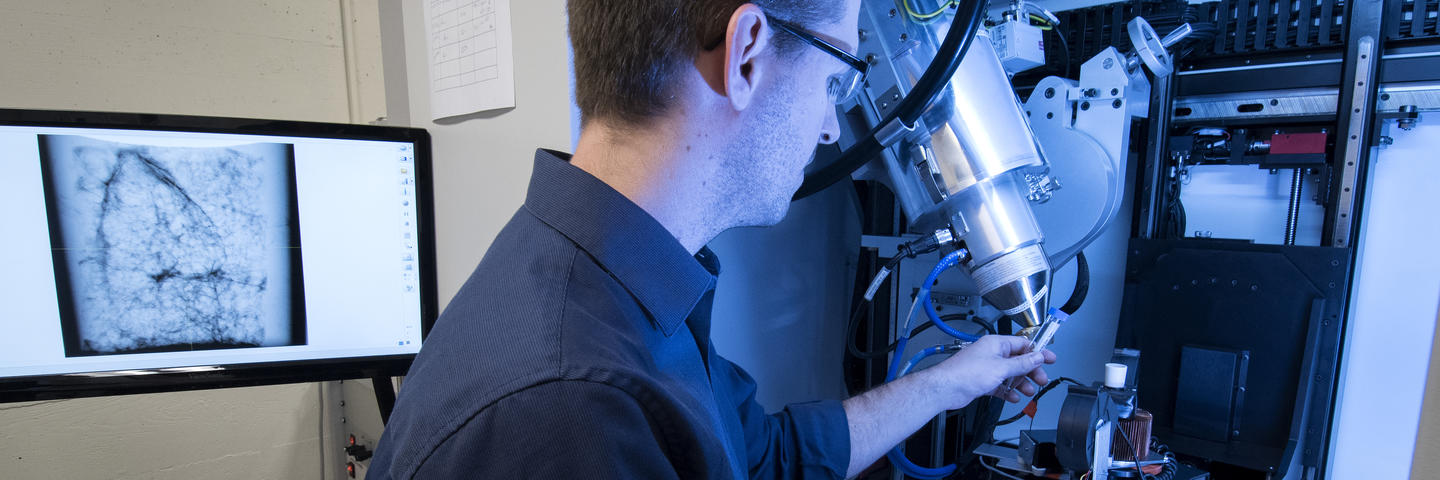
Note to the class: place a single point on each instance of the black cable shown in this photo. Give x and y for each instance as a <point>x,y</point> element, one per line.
<point>927,88</point>
<point>911,249</point>
<point>1171,467</point>
<point>857,353</point>
<point>1082,285</point>
<point>1140,474</point>
<point>1043,390</point>
<point>853,327</point>
<point>990,329</point>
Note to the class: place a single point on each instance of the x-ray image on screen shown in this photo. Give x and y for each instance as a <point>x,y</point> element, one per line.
<point>173,248</point>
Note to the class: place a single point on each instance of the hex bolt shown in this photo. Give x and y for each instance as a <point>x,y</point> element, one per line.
<point>1050,92</point>
<point>1084,105</point>
<point>1116,103</point>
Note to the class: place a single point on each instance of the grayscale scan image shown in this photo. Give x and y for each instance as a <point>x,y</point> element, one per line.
<point>173,248</point>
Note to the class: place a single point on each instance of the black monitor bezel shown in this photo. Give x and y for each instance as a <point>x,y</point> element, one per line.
<point>46,387</point>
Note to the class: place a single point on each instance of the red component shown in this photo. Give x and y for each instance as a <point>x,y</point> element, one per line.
<point>1293,143</point>
<point>352,441</point>
<point>1030,409</point>
<point>350,469</point>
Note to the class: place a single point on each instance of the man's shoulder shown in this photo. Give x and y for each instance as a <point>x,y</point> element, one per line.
<point>537,313</point>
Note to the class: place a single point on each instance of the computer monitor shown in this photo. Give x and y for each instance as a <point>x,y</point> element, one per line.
<point>145,253</point>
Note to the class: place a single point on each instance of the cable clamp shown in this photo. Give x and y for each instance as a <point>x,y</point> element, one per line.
<point>890,132</point>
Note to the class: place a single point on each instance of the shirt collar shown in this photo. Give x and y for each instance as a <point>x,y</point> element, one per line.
<point>622,238</point>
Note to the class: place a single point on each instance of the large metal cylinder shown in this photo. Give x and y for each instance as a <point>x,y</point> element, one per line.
<point>966,169</point>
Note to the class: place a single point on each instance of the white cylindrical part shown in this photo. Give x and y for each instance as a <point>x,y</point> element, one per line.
<point>1115,375</point>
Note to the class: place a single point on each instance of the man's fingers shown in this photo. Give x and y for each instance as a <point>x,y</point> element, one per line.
<point>1027,388</point>
<point>1039,376</point>
<point>1022,364</point>
<point>1011,344</point>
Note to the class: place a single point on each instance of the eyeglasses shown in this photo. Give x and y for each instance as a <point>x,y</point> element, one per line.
<point>840,86</point>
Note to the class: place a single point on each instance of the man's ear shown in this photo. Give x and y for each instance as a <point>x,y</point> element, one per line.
<point>746,38</point>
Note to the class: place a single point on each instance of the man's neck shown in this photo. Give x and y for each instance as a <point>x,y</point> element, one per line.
<point>656,169</point>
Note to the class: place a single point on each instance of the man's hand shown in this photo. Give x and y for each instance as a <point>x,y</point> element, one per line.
<point>883,417</point>
<point>988,367</point>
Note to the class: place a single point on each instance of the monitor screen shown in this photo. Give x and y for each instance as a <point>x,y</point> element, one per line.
<point>142,245</point>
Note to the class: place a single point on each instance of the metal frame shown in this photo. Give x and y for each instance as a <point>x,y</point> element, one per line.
<point>1364,44</point>
<point>1149,173</point>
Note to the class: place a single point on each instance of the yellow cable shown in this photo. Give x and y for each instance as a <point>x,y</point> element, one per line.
<point>926,16</point>
<point>1045,23</point>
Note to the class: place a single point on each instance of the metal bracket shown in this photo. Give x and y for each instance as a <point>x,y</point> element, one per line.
<point>890,132</point>
<point>1355,142</point>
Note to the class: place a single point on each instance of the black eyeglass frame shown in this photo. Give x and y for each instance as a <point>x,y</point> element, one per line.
<point>827,47</point>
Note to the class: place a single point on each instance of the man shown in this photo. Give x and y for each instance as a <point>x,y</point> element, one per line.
<point>580,347</point>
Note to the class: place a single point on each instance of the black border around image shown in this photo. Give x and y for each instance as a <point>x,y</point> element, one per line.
<point>44,387</point>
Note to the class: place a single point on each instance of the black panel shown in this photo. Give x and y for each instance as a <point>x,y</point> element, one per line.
<point>1210,383</point>
<point>1314,75</point>
<point>1280,304</point>
<point>1410,69</point>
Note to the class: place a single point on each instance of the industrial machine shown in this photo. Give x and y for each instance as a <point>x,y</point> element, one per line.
<point>1120,156</point>
<point>967,162</point>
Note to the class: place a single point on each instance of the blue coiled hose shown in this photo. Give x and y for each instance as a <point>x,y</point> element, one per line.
<point>896,456</point>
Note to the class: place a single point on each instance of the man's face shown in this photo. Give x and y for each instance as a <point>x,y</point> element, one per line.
<point>767,165</point>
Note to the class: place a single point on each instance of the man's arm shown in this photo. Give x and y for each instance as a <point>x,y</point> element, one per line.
<point>881,418</point>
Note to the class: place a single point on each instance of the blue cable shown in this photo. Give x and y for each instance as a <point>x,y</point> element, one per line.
<point>893,372</point>
<point>896,456</point>
<point>912,470</point>
<point>915,360</point>
<point>945,263</point>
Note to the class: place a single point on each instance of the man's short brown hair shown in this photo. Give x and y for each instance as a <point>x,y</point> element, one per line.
<point>628,52</point>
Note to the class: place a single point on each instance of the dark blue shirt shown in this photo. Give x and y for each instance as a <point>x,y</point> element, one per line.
<point>580,347</point>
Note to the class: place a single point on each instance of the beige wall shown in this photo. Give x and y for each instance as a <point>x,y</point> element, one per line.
<point>482,162</point>
<point>275,59</point>
<point>1427,443</point>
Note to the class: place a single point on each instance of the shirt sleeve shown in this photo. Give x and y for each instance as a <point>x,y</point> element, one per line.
<point>805,440</point>
<point>555,430</point>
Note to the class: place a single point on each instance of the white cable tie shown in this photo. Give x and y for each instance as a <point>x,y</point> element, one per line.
<point>875,284</point>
